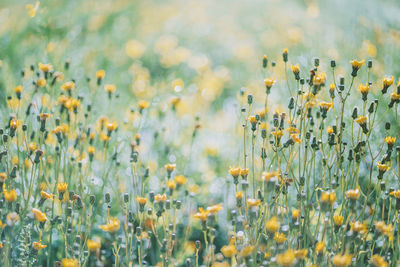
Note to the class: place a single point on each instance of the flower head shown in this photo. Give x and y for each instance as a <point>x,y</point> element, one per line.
<point>39,216</point>
<point>286,259</point>
<point>62,187</point>
<point>272,225</point>
<point>378,261</point>
<point>68,86</point>
<point>353,194</point>
<point>229,251</point>
<point>69,263</point>
<point>38,245</point>
<point>10,195</point>
<point>320,247</point>
<point>93,245</point>
<point>112,225</point>
<point>143,104</point>
<point>110,88</point>
<point>45,67</point>
<point>338,220</point>
<point>342,260</point>
<point>100,74</point>
<point>160,198</point>
<point>253,202</point>
<point>180,179</point>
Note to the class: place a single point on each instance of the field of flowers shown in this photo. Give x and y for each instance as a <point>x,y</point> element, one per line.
<point>199,133</point>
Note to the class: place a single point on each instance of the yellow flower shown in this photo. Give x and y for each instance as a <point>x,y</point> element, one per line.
<point>38,245</point>
<point>388,81</point>
<point>293,130</point>
<point>18,89</point>
<point>100,74</point>
<point>171,184</point>
<point>45,195</point>
<point>357,64</point>
<point>328,197</point>
<point>364,90</point>
<point>201,214</point>
<point>319,79</point>
<point>269,82</point>
<point>244,172</point>
<point>272,225</point>
<point>32,9</point>
<point>395,194</point>
<point>239,195</point>
<point>45,67</point>
<point>267,176</point>
<point>214,209</point>
<point>378,261</point>
<point>252,119</point>
<point>301,254</point>
<point>279,238</point>
<point>112,225</point>
<point>160,198</point>
<point>110,88</point>
<point>13,124</point>
<point>2,225</point>
<point>91,150</point>
<point>320,247</point>
<point>353,194</point>
<point>358,227</point>
<point>338,220</point>
<point>295,68</point>
<point>3,177</point>
<point>10,195</point>
<point>253,202</point>
<point>295,138</point>
<point>394,96</point>
<point>104,137</point>
<point>278,133</point>
<point>180,179</point>
<point>68,86</point>
<point>93,245</point>
<point>385,229</point>
<point>62,187</point>
<point>15,160</point>
<point>382,167</point>
<point>141,200</point>
<point>220,264</point>
<point>286,259</point>
<point>69,263</point>
<point>326,105</point>
<point>44,116</point>
<point>39,216</point>
<point>295,213</point>
<point>143,104</point>
<point>246,251</point>
<point>361,120</point>
<point>170,167</point>
<point>32,146</point>
<point>229,251</point>
<point>111,126</point>
<point>390,140</point>
<point>234,171</point>
<point>342,260</point>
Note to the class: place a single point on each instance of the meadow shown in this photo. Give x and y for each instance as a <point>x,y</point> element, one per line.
<point>199,133</point>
